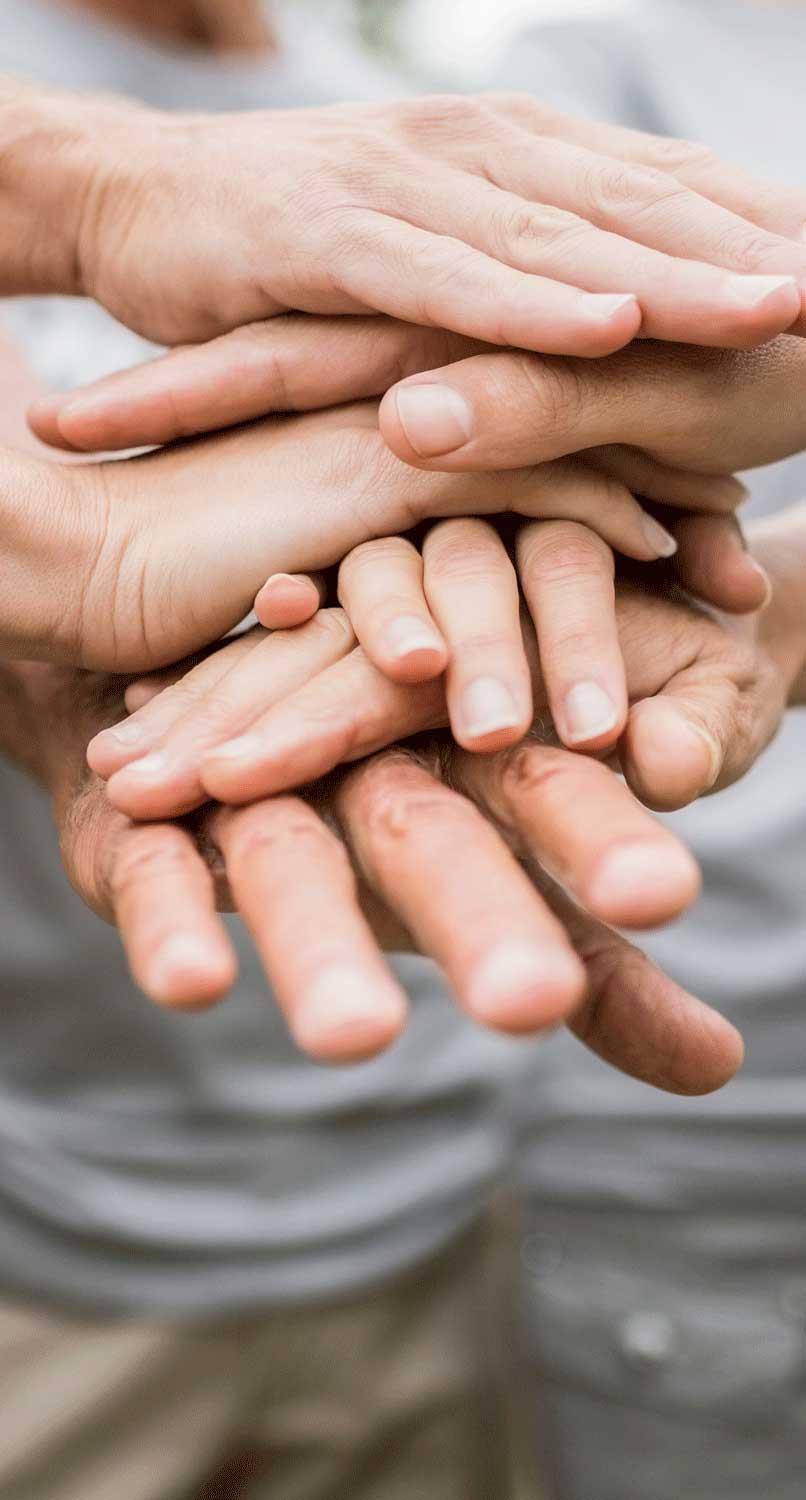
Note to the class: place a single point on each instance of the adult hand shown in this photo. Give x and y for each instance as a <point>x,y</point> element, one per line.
<point>518,960</point>
<point>132,565</point>
<point>494,217</point>
<point>706,694</point>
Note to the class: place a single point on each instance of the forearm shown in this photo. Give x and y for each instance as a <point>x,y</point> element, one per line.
<point>780,544</point>
<point>51,144</point>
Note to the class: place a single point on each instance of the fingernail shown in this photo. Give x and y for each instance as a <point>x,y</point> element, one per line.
<point>244,748</point>
<point>769,591</point>
<point>128,732</point>
<point>286,578</point>
<point>589,712</point>
<point>520,987</point>
<point>750,291</point>
<point>603,305</point>
<point>150,765</point>
<point>435,418</point>
<point>660,540</point>
<point>408,634</point>
<point>487,706</point>
<point>345,1006</point>
<point>182,957</point>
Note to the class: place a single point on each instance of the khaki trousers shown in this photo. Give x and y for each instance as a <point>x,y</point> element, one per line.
<point>400,1394</point>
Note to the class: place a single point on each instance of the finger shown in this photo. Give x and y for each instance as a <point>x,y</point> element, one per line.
<point>568,578</point>
<point>705,729</point>
<point>713,564</point>
<point>638,1020</point>
<point>674,196</point>
<point>472,588</point>
<point>142,692</point>
<point>289,599</point>
<point>381,590</point>
<point>167,782</point>
<point>435,280</point>
<point>773,206</point>
<point>178,691</point>
<point>239,26</point>
<point>683,489</point>
<point>164,905</point>
<point>444,870</point>
<point>295,889</point>
<point>571,233</point>
<point>288,363</point>
<point>578,820</point>
<point>507,409</point>
<point>344,714</point>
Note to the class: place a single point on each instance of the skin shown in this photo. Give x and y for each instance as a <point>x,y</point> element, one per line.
<point>495,217</point>
<point>110,565</point>
<point>707,694</point>
<point>221,25</point>
<point>716,702</point>
<point>516,964</point>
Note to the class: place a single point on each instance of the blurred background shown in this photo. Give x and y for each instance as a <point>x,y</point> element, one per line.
<point>452,39</point>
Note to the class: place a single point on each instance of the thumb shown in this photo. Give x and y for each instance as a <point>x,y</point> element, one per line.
<point>704,731</point>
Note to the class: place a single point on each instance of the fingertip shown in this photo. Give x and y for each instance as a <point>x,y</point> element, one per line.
<point>669,761</point>
<point>610,322</point>
<point>409,650</point>
<point>643,883</point>
<point>113,748</point>
<point>521,988</point>
<point>190,971</point>
<point>347,1017</point>
<point>285,601</point>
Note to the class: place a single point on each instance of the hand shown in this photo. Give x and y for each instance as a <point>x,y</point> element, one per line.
<point>517,960</point>
<point>132,565</point>
<point>222,25</point>
<point>707,696</point>
<point>494,217</point>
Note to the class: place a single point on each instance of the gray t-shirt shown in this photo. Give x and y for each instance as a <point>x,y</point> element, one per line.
<point>664,1274</point>
<point>195,1165</point>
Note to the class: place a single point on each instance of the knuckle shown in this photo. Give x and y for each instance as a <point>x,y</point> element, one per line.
<point>396,815</point>
<point>290,825</point>
<point>621,185</point>
<point>556,391</point>
<point>674,154</point>
<point>443,114</point>
<point>542,225</point>
<point>567,549</point>
<point>746,249</point>
<point>531,771</point>
<point>334,625</point>
<point>467,557</point>
<point>146,856</point>
<point>378,553</point>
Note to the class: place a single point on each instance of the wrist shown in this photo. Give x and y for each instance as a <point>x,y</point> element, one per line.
<point>53,145</point>
<point>779,543</point>
<point>49,716</point>
<point>56,540</point>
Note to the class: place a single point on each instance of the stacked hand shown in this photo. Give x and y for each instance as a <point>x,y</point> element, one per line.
<point>500,222</point>
<point>707,696</point>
